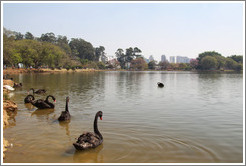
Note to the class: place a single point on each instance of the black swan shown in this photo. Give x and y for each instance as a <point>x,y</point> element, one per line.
<point>65,115</point>
<point>88,139</point>
<point>39,91</point>
<point>16,85</point>
<point>29,98</point>
<point>43,104</point>
<point>160,84</point>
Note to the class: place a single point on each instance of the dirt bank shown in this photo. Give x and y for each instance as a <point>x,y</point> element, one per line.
<point>9,110</point>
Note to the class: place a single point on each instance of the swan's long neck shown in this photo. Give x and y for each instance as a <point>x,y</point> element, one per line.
<point>96,131</point>
<point>47,98</point>
<point>66,109</point>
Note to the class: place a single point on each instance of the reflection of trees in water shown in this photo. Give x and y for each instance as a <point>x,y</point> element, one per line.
<point>130,82</point>
<point>89,155</point>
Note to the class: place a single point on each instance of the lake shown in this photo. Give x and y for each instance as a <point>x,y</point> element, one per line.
<point>196,118</point>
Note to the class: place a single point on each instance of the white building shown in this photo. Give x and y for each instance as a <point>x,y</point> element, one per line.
<point>179,59</point>
<point>172,59</point>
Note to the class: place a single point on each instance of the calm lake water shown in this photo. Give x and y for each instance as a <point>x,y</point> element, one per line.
<point>195,118</point>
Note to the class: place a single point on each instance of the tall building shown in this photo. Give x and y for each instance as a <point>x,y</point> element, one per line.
<point>179,59</point>
<point>172,59</point>
<point>163,58</point>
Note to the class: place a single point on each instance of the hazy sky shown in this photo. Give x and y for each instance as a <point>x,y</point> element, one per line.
<point>184,29</point>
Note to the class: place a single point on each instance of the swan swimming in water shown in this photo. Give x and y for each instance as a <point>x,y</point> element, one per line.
<point>29,98</point>
<point>65,115</point>
<point>43,104</point>
<point>160,84</point>
<point>89,139</point>
<point>39,91</point>
<point>8,87</point>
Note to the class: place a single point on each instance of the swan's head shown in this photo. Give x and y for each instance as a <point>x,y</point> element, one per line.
<point>67,99</point>
<point>54,99</point>
<point>100,114</point>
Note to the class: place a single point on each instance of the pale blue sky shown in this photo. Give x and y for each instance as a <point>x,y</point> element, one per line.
<point>184,29</point>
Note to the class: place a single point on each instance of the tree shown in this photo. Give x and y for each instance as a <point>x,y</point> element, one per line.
<point>204,54</point>
<point>237,58</point>
<point>82,49</point>
<point>151,65</point>
<point>136,51</point>
<point>163,65</point>
<point>193,63</point>
<point>139,64</point>
<point>209,62</point>
<point>18,36</point>
<point>230,63</point>
<point>221,61</point>
<point>99,52</point>
<point>62,42</point>
<point>121,57</point>
<point>29,36</point>
<point>48,37</point>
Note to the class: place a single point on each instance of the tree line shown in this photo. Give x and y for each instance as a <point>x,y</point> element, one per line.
<point>49,50</point>
<point>58,52</point>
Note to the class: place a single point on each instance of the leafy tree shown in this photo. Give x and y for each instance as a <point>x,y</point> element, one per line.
<point>194,63</point>
<point>121,57</point>
<point>8,48</point>
<point>101,65</point>
<point>18,36</point>
<point>209,62</point>
<point>221,61</point>
<point>48,37</point>
<point>82,49</point>
<point>237,58</point>
<point>163,65</point>
<point>136,52</point>
<point>99,52</point>
<point>204,54</point>
<point>139,64</point>
<point>29,36</point>
<point>62,42</point>
<point>152,65</point>
<point>230,63</point>
<point>182,66</point>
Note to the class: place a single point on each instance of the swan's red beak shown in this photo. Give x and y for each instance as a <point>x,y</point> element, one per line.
<point>55,101</point>
<point>101,118</point>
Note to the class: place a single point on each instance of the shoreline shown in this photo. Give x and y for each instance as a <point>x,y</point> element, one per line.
<point>9,110</point>
<point>18,71</point>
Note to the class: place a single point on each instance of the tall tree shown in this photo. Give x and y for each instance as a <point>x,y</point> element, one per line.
<point>121,57</point>
<point>48,37</point>
<point>209,62</point>
<point>82,49</point>
<point>29,35</point>
<point>18,36</point>
<point>99,52</point>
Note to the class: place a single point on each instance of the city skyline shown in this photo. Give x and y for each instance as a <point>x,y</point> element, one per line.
<point>173,29</point>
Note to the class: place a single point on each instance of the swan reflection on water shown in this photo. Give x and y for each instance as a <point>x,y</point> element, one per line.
<point>93,155</point>
<point>40,113</point>
<point>29,106</point>
<point>65,124</point>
